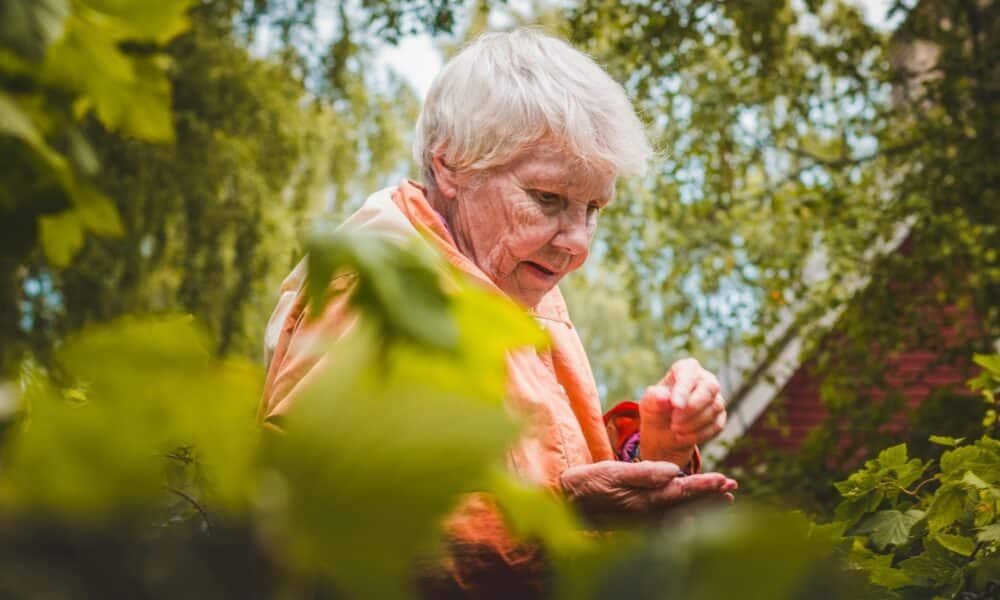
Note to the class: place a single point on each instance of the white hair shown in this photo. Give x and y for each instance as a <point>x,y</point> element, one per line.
<point>505,92</point>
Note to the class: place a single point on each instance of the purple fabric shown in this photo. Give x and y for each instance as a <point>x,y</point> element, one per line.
<point>629,451</point>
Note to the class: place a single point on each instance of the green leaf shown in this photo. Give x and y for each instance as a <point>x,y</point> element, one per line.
<point>947,506</point>
<point>983,461</point>
<point>95,211</point>
<point>956,543</point>
<point>943,440</point>
<point>398,288</point>
<point>879,569</point>
<point>535,514</point>
<point>894,456</point>
<point>14,121</point>
<point>889,527</point>
<point>61,236</point>
<point>29,26</point>
<point>925,569</point>
<point>373,459</point>
<point>138,20</point>
<point>129,93</point>
<point>976,482</point>
<point>144,387</point>
<point>990,362</point>
<point>990,533</point>
<point>910,472</point>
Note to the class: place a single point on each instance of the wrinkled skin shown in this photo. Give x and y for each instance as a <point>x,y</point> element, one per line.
<point>528,224</point>
<point>684,409</point>
<point>525,225</point>
<point>610,489</point>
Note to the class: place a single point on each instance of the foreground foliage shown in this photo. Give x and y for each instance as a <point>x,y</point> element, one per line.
<point>141,442</point>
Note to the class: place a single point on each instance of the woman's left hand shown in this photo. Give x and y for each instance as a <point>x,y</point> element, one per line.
<point>684,409</point>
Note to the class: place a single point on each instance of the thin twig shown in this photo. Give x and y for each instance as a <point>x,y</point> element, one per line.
<point>201,510</point>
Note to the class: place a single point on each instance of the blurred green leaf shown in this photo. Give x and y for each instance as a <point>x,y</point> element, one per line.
<point>95,211</point>
<point>990,533</point>
<point>61,236</point>
<point>398,288</point>
<point>489,326</point>
<point>580,559</point>
<point>154,21</point>
<point>29,26</point>
<point>371,464</point>
<point>979,458</point>
<point>990,362</point>
<point>738,552</point>
<point>142,388</point>
<point>925,569</point>
<point>129,93</point>
<point>943,440</point>
<point>880,570</point>
<point>16,122</point>
<point>956,543</point>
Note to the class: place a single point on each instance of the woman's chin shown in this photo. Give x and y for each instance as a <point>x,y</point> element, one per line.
<point>531,284</point>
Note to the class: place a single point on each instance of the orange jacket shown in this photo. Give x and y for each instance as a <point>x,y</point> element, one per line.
<point>554,388</point>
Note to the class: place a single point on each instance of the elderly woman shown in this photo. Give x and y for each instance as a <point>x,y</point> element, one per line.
<point>520,143</point>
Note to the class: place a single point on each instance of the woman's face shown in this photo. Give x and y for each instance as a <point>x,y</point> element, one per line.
<point>529,223</point>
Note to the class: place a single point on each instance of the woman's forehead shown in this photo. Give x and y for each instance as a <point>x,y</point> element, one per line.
<point>560,171</point>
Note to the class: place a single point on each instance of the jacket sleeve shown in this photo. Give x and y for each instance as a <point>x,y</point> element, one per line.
<point>298,352</point>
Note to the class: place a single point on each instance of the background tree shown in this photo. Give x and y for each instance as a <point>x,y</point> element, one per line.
<point>209,223</point>
<point>791,153</point>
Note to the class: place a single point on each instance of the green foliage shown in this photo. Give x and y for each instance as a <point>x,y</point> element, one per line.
<point>406,415</point>
<point>60,61</point>
<point>386,454</point>
<point>796,141</point>
<point>209,224</point>
<point>393,283</point>
<point>920,528</point>
<point>132,392</point>
<point>926,528</point>
<point>988,383</point>
<point>385,441</point>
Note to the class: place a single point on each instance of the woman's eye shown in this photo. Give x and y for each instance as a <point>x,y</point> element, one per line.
<point>549,199</point>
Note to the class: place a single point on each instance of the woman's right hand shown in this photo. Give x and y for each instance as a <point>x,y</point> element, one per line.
<point>613,489</point>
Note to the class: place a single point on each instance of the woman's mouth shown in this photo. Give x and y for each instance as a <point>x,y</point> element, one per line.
<point>543,271</point>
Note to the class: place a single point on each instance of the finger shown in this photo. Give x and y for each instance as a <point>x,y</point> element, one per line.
<point>706,403</point>
<point>647,474</point>
<point>656,407</point>
<point>689,437</point>
<point>684,489</point>
<point>681,379</point>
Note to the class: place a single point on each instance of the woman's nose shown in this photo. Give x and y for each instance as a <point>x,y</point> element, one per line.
<point>574,235</point>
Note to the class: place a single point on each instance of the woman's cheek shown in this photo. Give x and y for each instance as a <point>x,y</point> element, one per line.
<point>500,261</point>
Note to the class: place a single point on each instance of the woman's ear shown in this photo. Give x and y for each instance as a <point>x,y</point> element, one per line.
<point>444,177</point>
